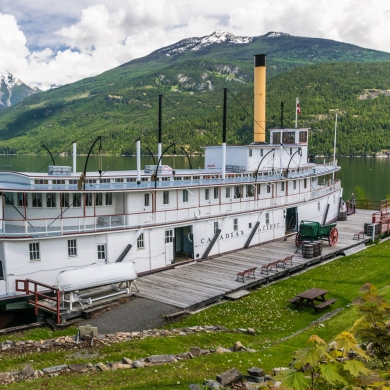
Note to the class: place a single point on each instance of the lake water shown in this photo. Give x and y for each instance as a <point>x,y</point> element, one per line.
<point>370,173</point>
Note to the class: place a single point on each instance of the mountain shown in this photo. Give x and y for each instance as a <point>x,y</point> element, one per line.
<point>122,104</point>
<point>13,90</point>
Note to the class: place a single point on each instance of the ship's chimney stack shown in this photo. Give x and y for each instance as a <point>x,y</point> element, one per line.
<point>259,98</point>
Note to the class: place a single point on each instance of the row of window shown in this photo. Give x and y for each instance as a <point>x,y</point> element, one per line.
<point>35,255</point>
<point>50,200</point>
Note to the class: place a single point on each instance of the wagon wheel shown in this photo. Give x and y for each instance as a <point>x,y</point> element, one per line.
<point>298,240</point>
<point>333,236</point>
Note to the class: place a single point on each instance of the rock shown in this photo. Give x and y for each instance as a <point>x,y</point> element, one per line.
<point>78,367</point>
<point>243,330</point>
<point>138,364</point>
<point>194,387</point>
<point>195,351</point>
<point>213,385</point>
<point>222,350</point>
<point>237,346</point>
<point>161,359</point>
<point>187,355</point>
<point>277,384</point>
<point>54,369</point>
<point>278,370</point>
<point>253,379</point>
<point>228,377</point>
<point>250,350</point>
<point>256,371</point>
<point>251,386</point>
<point>251,331</point>
<point>102,367</point>
<point>5,376</point>
<point>182,334</point>
<point>27,371</point>
<point>119,366</point>
<point>127,361</point>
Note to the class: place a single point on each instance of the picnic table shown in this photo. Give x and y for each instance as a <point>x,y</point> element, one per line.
<point>310,297</point>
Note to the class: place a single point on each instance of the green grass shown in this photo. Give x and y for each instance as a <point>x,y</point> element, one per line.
<point>265,310</point>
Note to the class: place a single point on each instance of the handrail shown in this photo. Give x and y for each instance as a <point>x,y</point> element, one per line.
<point>40,295</point>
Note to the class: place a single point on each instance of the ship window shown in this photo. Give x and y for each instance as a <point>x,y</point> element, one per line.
<point>108,199</point>
<point>215,227</point>
<point>206,194</point>
<point>334,199</point>
<point>22,199</point>
<point>235,224</point>
<point>72,248</point>
<point>294,184</point>
<point>1,271</point>
<point>185,196</point>
<point>289,137</point>
<point>237,192</point>
<point>261,152</point>
<point>216,192</point>
<point>228,192</point>
<point>65,200</point>
<point>77,200</point>
<point>34,251</point>
<point>165,197</point>
<point>319,206</point>
<point>282,186</point>
<point>276,138</point>
<point>101,250</point>
<point>302,136</point>
<point>8,198</point>
<point>168,236</point>
<point>250,152</point>
<point>268,188</point>
<point>51,200</point>
<point>99,199</point>
<point>249,191</point>
<point>291,151</point>
<point>140,241</point>
<point>146,199</point>
<point>144,179</point>
<point>304,183</point>
<point>36,200</point>
<point>131,179</point>
<point>88,200</point>
<point>267,218</point>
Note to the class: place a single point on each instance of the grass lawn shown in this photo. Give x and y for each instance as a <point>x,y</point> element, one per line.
<point>265,310</point>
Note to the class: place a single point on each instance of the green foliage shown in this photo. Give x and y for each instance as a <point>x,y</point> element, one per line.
<point>361,193</point>
<point>373,327</point>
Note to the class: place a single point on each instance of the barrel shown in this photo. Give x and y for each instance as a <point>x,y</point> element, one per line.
<point>308,251</point>
<point>365,227</point>
<point>375,228</point>
<point>342,216</point>
<point>305,243</point>
<point>317,248</point>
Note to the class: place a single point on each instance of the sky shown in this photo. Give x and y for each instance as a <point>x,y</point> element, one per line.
<point>47,42</point>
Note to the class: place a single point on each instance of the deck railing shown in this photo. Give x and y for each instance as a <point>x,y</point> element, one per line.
<point>71,225</point>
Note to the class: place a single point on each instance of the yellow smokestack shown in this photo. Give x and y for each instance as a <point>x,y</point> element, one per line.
<point>259,98</point>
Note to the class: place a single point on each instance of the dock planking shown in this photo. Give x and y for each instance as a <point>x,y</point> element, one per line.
<point>201,283</point>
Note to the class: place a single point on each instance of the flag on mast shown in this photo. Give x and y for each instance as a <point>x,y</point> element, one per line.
<point>298,107</point>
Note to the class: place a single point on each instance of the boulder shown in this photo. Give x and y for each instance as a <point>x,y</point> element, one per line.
<point>237,346</point>
<point>228,377</point>
<point>138,364</point>
<point>78,367</point>
<point>195,351</point>
<point>212,385</point>
<point>222,350</point>
<point>55,369</point>
<point>256,371</point>
<point>127,361</point>
<point>194,387</point>
<point>27,371</point>
<point>161,359</point>
<point>102,367</point>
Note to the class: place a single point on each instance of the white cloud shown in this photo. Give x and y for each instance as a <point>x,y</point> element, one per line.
<point>104,35</point>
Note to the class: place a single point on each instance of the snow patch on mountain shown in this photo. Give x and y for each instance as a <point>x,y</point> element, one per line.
<point>194,44</point>
<point>274,34</point>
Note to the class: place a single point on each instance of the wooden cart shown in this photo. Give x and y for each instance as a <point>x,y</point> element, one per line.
<point>312,231</point>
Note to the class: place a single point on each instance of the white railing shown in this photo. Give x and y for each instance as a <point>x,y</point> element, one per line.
<point>52,227</point>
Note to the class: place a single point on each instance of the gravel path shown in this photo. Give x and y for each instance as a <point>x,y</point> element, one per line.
<point>135,315</point>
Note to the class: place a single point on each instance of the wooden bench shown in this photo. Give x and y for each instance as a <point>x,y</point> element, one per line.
<point>358,236</point>
<point>286,260</point>
<point>269,266</point>
<point>293,300</point>
<point>247,272</point>
<point>325,304</point>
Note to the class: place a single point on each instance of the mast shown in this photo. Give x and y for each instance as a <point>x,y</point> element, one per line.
<point>224,135</point>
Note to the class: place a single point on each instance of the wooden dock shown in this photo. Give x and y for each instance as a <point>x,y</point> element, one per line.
<point>198,284</point>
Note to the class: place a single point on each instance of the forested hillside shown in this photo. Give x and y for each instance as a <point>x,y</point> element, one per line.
<point>121,105</point>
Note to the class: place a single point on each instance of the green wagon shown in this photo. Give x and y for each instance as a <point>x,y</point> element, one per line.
<point>312,231</point>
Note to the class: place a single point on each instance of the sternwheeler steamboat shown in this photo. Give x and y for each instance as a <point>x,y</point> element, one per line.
<point>119,224</point>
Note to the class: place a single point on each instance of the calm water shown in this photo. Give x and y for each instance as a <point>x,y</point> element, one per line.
<point>372,174</point>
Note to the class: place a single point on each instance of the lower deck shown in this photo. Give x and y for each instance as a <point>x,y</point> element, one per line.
<point>198,284</point>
